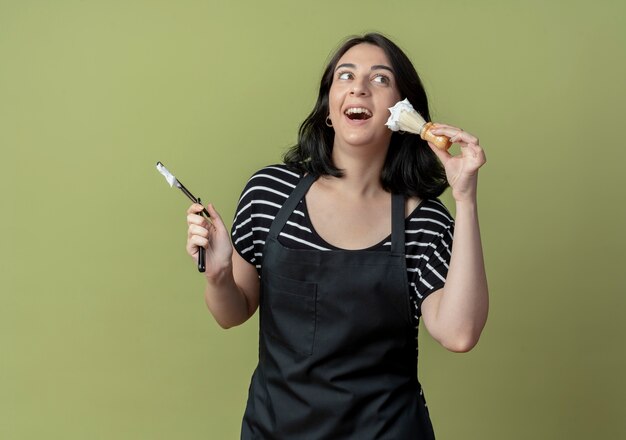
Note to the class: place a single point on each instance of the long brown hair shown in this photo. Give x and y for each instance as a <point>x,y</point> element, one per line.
<point>411,168</point>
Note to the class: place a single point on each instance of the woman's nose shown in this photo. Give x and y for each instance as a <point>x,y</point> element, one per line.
<point>359,89</point>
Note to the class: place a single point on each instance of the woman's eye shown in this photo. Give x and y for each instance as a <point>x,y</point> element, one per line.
<point>381,79</point>
<point>345,75</point>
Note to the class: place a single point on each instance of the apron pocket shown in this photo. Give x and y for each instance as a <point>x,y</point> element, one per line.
<point>289,314</point>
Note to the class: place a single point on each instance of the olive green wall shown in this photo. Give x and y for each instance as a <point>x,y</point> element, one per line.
<point>103,329</point>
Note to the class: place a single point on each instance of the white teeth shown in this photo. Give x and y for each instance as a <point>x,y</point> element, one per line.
<point>355,110</point>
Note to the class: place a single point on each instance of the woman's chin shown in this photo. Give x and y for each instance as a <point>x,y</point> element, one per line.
<point>360,138</point>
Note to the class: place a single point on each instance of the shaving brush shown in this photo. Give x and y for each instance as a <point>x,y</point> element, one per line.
<point>405,118</point>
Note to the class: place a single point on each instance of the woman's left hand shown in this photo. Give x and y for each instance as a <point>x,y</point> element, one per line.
<point>461,170</point>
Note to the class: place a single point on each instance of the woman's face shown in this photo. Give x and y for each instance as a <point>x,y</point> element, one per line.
<point>363,89</point>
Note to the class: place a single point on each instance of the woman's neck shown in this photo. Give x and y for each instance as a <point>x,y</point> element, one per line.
<point>361,170</point>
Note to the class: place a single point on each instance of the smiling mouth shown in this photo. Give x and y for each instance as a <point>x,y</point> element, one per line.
<point>358,113</point>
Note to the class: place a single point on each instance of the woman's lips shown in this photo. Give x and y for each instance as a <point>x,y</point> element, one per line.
<point>357,115</point>
<point>355,112</point>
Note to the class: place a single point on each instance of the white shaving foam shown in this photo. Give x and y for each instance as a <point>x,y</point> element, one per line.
<point>396,111</point>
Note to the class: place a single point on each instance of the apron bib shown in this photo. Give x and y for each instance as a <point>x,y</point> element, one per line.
<point>337,349</point>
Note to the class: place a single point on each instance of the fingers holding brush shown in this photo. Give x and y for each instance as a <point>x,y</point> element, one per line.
<point>461,169</point>
<point>470,146</point>
<point>456,135</point>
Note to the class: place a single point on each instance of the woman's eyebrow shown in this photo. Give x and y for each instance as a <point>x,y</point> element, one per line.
<point>381,66</point>
<point>349,65</point>
<point>374,67</point>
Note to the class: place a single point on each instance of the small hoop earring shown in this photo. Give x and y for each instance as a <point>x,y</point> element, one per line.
<point>329,122</point>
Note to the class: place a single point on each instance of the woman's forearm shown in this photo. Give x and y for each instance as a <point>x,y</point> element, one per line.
<point>456,314</point>
<point>226,300</point>
<point>462,309</point>
<point>232,289</point>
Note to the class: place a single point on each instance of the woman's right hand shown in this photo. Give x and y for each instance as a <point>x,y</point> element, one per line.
<point>211,237</point>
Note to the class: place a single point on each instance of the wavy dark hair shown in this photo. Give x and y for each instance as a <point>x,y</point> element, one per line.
<point>411,168</point>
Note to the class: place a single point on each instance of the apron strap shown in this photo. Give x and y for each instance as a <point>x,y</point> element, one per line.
<point>397,224</point>
<point>288,207</point>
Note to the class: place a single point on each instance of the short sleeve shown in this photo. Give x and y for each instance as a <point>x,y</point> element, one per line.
<point>429,249</point>
<point>241,233</point>
<point>261,199</point>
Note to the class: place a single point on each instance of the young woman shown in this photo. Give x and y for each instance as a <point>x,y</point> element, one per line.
<point>343,248</point>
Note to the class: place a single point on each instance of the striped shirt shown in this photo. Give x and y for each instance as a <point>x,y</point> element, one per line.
<point>428,232</point>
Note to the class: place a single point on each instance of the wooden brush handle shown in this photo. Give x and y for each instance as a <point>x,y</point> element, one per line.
<point>441,142</point>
